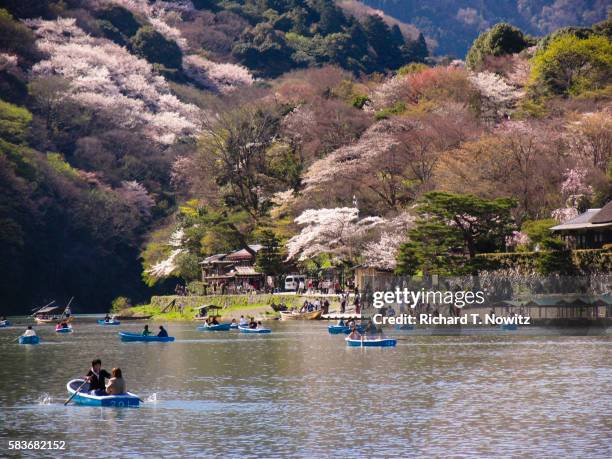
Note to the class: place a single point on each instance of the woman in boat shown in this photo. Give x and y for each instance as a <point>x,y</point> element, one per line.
<point>162,332</point>
<point>29,332</point>
<point>146,331</point>
<point>354,334</point>
<point>252,323</point>
<point>116,385</point>
<point>96,377</point>
<point>243,321</point>
<point>234,322</point>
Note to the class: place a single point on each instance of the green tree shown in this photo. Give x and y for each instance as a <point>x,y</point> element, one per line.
<point>500,39</point>
<point>570,65</point>
<point>452,229</point>
<point>415,51</point>
<point>381,40</point>
<point>155,48</point>
<point>556,258</point>
<point>264,50</point>
<point>538,230</point>
<point>14,122</point>
<point>269,259</point>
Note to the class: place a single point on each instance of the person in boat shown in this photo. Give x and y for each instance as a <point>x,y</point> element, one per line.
<point>243,321</point>
<point>214,321</point>
<point>252,323</point>
<point>340,323</point>
<point>107,318</point>
<point>233,321</point>
<point>354,334</point>
<point>259,325</point>
<point>162,332</point>
<point>29,331</point>
<point>146,331</point>
<point>116,384</point>
<point>64,324</point>
<point>96,377</point>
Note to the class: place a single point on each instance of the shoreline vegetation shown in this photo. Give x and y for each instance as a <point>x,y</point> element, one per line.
<point>233,306</point>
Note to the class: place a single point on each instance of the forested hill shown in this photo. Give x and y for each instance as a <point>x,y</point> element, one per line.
<point>139,137</point>
<point>454,24</point>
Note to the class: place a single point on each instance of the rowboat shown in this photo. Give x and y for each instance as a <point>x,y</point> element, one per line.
<point>404,327</point>
<point>218,327</point>
<point>339,329</point>
<point>83,397</point>
<point>385,342</point>
<point>234,325</point>
<point>63,330</point>
<point>109,322</point>
<point>29,340</point>
<point>254,330</point>
<point>293,315</point>
<point>509,327</point>
<point>4,323</point>
<point>126,336</point>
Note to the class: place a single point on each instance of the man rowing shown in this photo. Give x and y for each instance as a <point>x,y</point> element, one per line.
<point>96,377</point>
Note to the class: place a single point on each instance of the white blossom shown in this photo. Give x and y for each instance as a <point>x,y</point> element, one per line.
<point>224,78</point>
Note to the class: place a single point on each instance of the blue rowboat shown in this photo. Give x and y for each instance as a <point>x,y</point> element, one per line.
<point>126,336</point>
<point>371,342</point>
<point>233,325</point>
<point>509,327</point>
<point>29,340</point>
<point>64,330</point>
<point>218,327</point>
<point>110,322</point>
<point>83,397</point>
<point>339,329</point>
<point>254,330</point>
<point>404,327</point>
<point>4,323</point>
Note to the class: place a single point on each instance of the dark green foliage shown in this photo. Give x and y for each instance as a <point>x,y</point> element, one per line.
<point>452,229</point>
<point>384,44</point>
<point>415,51</point>
<point>155,48</point>
<point>500,39</point>
<point>123,20</point>
<point>15,37</point>
<point>264,50</point>
<point>555,259</point>
<point>269,259</point>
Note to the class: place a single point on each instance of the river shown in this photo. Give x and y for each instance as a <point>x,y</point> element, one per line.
<point>300,392</point>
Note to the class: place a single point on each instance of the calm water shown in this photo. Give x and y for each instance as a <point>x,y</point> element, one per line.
<point>300,392</point>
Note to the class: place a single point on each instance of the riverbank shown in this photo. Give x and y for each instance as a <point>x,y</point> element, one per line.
<point>176,308</point>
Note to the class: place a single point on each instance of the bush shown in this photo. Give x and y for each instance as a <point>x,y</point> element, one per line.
<point>122,19</point>
<point>155,48</point>
<point>120,303</point>
<point>500,39</point>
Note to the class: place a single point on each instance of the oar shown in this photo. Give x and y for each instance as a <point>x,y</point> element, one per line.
<point>76,392</point>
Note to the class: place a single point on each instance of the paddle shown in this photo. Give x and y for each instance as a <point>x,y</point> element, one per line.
<point>76,392</point>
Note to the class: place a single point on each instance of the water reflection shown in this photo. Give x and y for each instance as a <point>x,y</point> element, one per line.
<point>300,392</point>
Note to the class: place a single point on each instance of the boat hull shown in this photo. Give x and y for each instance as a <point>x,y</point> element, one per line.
<point>83,397</point>
<point>132,337</point>
<point>371,342</point>
<point>64,330</point>
<point>509,327</point>
<point>340,329</point>
<point>218,327</point>
<point>313,315</point>
<point>233,326</point>
<point>254,330</point>
<point>4,324</point>
<point>107,324</point>
<point>29,340</point>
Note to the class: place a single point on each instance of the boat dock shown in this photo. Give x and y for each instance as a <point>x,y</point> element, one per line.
<point>344,316</point>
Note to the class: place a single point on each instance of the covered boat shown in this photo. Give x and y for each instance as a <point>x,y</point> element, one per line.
<point>383,342</point>
<point>108,322</point>
<point>83,397</point>
<point>218,327</point>
<point>60,329</point>
<point>254,330</point>
<point>126,336</point>
<point>29,339</point>
<point>294,315</point>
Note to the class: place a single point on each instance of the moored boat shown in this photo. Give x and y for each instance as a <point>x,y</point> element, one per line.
<point>254,330</point>
<point>63,329</point>
<point>29,339</point>
<point>294,315</point>
<point>108,322</point>
<point>384,342</point>
<point>218,327</point>
<point>126,336</point>
<point>83,397</point>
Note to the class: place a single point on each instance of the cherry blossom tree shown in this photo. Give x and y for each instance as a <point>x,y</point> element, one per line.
<point>224,78</point>
<point>576,191</point>
<point>136,195</point>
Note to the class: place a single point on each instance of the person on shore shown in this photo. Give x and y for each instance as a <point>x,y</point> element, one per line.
<point>343,305</point>
<point>162,332</point>
<point>116,384</point>
<point>29,331</point>
<point>243,321</point>
<point>146,331</point>
<point>96,377</point>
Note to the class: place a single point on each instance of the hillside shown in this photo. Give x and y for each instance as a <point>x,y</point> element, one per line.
<point>454,24</point>
<point>138,138</point>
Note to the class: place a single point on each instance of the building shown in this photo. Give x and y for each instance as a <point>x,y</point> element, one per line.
<point>589,230</point>
<point>232,272</point>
